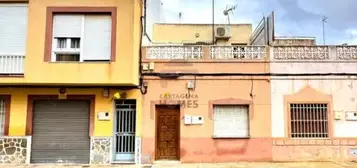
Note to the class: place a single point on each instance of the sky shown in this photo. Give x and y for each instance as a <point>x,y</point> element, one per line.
<point>292,17</point>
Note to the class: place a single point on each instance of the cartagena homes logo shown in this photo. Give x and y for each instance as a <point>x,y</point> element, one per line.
<point>185,100</point>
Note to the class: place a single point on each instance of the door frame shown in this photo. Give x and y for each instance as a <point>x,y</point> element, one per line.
<point>179,107</point>
<point>114,145</point>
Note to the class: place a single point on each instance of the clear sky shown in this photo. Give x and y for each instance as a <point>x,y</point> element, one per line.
<point>292,17</point>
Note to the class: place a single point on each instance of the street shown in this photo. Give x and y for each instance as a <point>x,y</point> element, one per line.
<point>208,165</point>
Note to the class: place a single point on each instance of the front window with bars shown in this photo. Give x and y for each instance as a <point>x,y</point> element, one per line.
<point>2,116</point>
<point>309,120</point>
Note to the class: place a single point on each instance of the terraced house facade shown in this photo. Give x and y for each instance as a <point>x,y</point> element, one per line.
<point>285,99</point>
<point>65,67</point>
<point>77,87</point>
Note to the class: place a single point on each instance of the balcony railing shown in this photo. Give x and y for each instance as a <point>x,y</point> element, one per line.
<point>174,52</point>
<point>12,64</point>
<point>301,53</point>
<point>277,53</point>
<point>322,53</point>
<point>206,52</point>
<point>346,52</point>
<point>237,52</point>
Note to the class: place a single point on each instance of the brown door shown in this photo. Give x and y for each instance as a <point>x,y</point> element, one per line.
<point>167,133</point>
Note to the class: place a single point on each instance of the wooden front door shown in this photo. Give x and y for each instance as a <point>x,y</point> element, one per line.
<point>167,133</point>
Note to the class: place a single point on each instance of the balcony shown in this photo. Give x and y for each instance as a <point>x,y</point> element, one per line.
<point>12,65</point>
<point>206,59</point>
<point>321,53</point>
<point>313,59</point>
<point>251,59</point>
<point>205,52</point>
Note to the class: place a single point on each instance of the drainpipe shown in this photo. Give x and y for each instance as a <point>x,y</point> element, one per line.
<point>143,89</point>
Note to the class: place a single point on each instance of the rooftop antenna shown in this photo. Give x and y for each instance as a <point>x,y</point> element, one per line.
<point>229,10</point>
<point>180,16</point>
<point>324,20</point>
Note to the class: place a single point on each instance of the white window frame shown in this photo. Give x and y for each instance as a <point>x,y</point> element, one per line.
<point>232,134</point>
<point>68,49</point>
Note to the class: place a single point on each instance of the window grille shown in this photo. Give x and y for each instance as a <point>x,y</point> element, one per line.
<point>309,120</point>
<point>2,116</point>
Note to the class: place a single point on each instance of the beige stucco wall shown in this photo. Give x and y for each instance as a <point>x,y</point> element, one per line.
<point>186,33</point>
<point>343,89</point>
<point>344,98</point>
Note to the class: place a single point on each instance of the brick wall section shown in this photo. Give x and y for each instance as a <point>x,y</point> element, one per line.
<point>314,150</point>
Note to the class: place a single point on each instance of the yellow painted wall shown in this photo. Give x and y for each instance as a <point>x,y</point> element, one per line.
<point>186,33</point>
<point>18,110</point>
<point>123,71</point>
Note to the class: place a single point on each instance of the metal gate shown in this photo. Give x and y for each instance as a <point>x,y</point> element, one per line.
<point>60,132</point>
<point>125,131</point>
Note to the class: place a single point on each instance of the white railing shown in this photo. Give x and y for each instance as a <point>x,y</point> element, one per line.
<point>12,64</point>
<point>346,52</point>
<point>174,52</point>
<point>300,53</point>
<point>237,52</point>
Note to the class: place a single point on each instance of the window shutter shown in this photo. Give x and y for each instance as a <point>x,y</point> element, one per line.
<point>97,37</point>
<point>67,25</point>
<point>13,29</point>
<point>231,121</point>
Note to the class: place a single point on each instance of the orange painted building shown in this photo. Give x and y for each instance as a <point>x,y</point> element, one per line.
<point>206,118</point>
<point>208,104</point>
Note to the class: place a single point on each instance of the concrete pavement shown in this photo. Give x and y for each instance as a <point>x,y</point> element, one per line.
<point>206,165</point>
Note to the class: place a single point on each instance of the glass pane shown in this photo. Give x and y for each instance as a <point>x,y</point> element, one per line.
<point>61,43</point>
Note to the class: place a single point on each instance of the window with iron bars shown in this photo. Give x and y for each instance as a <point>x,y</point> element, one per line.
<point>2,116</point>
<point>309,120</point>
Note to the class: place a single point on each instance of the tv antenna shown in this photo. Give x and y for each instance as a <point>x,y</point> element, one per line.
<point>229,10</point>
<point>180,16</point>
<point>324,20</point>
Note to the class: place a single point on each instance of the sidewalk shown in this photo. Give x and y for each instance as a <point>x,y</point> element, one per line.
<point>209,165</point>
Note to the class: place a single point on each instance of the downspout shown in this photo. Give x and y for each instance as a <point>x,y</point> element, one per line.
<point>143,89</point>
<point>213,31</point>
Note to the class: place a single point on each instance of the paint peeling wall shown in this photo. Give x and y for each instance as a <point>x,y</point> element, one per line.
<point>343,91</point>
<point>196,142</point>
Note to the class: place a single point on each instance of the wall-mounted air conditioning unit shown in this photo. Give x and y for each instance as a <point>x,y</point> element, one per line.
<point>224,32</point>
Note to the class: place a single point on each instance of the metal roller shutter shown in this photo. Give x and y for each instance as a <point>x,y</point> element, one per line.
<point>60,132</point>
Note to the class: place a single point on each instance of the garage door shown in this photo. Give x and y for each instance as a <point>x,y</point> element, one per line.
<point>60,132</point>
